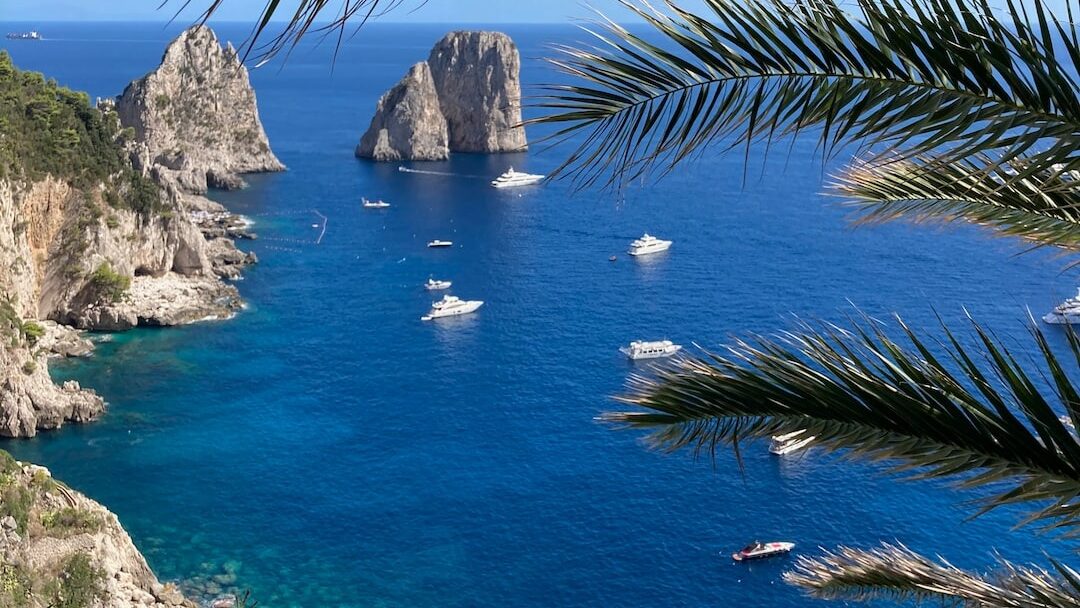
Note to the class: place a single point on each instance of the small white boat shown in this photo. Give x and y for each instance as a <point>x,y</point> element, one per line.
<point>650,350</point>
<point>379,204</point>
<point>790,442</point>
<point>438,243</point>
<point>648,244</point>
<point>436,285</point>
<point>760,550</point>
<point>451,306</point>
<point>512,179</point>
<point>1066,313</point>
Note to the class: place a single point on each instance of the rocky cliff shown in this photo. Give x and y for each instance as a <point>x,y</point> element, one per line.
<point>60,548</point>
<point>196,115</point>
<point>474,95</point>
<point>408,122</point>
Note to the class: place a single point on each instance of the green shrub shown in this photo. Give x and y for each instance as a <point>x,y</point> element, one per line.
<point>109,284</point>
<point>80,583</point>
<point>69,521</point>
<point>16,501</point>
<point>29,367</point>
<point>15,586</point>
<point>32,331</point>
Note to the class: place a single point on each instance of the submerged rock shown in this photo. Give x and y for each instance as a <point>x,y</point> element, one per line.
<point>408,122</point>
<point>196,114</point>
<point>465,98</point>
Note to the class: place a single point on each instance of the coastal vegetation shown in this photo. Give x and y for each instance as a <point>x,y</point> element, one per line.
<point>47,129</point>
<point>109,285</point>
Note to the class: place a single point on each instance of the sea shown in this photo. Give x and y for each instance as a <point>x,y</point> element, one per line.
<point>328,448</point>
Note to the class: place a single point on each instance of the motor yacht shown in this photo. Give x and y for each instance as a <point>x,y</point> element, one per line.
<point>1068,312</point>
<point>436,285</point>
<point>790,442</point>
<point>379,204</point>
<point>648,244</point>
<point>438,243</point>
<point>760,550</point>
<point>650,350</point>
<point>451,306</point>
<point>512,179</point>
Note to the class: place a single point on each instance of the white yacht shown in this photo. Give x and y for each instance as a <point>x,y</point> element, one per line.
<point>438,243</point>
<point>1068,312</point>
<point>648,244</point>
<point>379,204</point>
<point>790,442</point>
<point>436,285</point>
<point>650,350</point>
<point>512,178</point>
<point>451,306</point>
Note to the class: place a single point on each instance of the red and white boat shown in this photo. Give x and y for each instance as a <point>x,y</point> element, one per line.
<point>760,550</point>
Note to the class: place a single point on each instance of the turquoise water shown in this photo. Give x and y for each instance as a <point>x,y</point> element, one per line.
<point>332,450</point>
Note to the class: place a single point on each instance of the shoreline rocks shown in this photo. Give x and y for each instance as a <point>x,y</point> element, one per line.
<point>465,98</point>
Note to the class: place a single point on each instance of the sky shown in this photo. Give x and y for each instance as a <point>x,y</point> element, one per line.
<point>415,11</point>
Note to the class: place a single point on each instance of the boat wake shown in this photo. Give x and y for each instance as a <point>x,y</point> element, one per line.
<point>446,173</point>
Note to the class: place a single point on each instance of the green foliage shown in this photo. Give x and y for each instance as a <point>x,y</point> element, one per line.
<point>46,129</point>
<point>32,331</point>
<point>79,584</point>
<point>29,367</point>
<point>109,284</point>
<point>16,501</point>
<point>15,586</point>
<point>70,521</point>
<point>13,327</point>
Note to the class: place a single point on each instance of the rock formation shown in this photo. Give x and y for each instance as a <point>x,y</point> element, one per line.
<point>408,122</point>
<point>465,98</point>
<point>477,77</point>
<point>196,114</point>
<point>57,543</point>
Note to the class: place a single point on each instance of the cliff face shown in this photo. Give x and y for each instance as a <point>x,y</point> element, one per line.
<point>408,122</point>
<point>57,543</point>
<point>472,104</point>
<point>477,77</point>
<point>196,114</point>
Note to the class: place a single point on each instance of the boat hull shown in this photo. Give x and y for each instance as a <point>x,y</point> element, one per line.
<point>651,355</point>
<point>468,308</point>
<point>649,251</point>
<point>1057,319</point>
<point>773,550</point>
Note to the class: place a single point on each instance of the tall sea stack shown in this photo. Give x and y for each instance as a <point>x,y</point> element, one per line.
<point>476,94</point>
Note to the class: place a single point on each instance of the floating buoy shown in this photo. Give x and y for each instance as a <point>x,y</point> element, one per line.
<point>612,259</point>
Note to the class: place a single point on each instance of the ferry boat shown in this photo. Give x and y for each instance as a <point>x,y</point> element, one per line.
<point>648,244</point>
<point>1068,312</point>
<point>650,350</point>
<point>760,550</point>
<point>31,35</point>
<point>512,179</point>
<point>789,442</point>
<point>436,285</point>
<point>438,243</point>
<point>451,306</point>
<point>379,204</point>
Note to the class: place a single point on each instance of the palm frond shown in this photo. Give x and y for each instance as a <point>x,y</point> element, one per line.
<point>1042,207</point>
<point>323,17</point>
<point>983,423</point>
<point>919,74</point>
<point>894,572</point>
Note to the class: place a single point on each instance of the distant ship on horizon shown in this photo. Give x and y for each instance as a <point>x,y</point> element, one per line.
<point>31,35</point>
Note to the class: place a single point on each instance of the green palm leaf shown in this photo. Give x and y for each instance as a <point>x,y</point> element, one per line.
<point>858,391</point>
<point>1044,207</point>
<point>894,572</point>
<point>922,75</point>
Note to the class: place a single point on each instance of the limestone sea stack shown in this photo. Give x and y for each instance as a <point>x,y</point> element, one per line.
<point>465,98</point>
<point>197,115</point>
<point>408,122</point>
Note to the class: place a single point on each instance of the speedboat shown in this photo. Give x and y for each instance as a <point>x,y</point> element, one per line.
<point>650,350</point>
<point>438,243</point>
<point>435,285</point>
<point>760,550</point>
<point>1066,313</point>
<point>790,442</point>
<point>31,35</point>
<point>379,204</point>
<point>512,179</point>
<point>451,306</point>
<point>648,244</point>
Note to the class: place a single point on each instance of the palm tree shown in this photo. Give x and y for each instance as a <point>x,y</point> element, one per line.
<point>958,111</point>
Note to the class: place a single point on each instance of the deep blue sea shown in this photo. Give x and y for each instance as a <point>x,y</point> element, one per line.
<point>332,450</point>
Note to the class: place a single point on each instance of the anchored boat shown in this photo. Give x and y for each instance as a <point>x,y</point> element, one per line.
<point>760,550</point>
